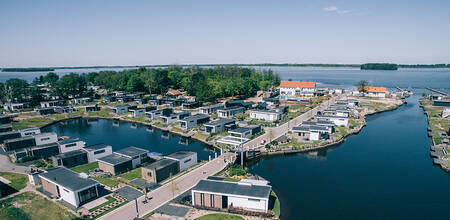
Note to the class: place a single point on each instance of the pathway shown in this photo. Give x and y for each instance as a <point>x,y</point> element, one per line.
<point>164,194</point>
<point>7,166</point>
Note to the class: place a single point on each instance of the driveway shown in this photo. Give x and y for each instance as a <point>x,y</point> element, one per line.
<point>7,166</point>
<point>164,194</point>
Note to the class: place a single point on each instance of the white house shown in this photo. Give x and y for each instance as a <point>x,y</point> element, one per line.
<point>230,112</point>
<point>45,138</point>
<point>48,104</point>
<point>186,159</point>
<point>69,186</point>
<point>138,155</point>
<point>120,109</point>
<point>97,151</point>
<point>137,112</point>
<point>29,132</point>
<point>266,115</point>
<point>70,145</point>
<point>13,106</point>
<point>297,90</point>
<point>372,91</point>
<point>220,194</point>
<point>337,120</point>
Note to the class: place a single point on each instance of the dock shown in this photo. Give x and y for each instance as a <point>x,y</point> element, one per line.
<point>437,91</point>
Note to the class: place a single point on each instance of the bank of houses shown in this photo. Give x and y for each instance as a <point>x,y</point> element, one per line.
<point>297,90</point>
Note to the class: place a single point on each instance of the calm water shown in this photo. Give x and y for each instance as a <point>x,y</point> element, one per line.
<point>103,131</point>
<point>384,172</point>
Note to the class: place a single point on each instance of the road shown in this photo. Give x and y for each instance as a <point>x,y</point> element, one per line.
<point>284,128</point>
<point>7,166</point>
<point>164,194</point>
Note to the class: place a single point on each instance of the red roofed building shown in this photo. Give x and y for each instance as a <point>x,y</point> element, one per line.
<point>297,90</point>
<point>373,91</point>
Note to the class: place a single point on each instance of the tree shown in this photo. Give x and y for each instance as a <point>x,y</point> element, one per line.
<point>173,185</point>
<point>135,84</point>
<point>362,86</point>
<point>16,90</point>
<point>71,85</point>
<point>51,78</point>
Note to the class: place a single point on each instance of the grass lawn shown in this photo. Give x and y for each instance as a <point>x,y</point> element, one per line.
<point>200,135</point>
<point>18,181</point>
<point>85,168</point>
<point>32,206</point>
<point>104,113</point>
<point>107,181</point>
<point>136,173</point>
<point>342,130</point>
<point>110,200</point>
<point>218,216</point>
<point>276,206</point>
<point>32,122</point>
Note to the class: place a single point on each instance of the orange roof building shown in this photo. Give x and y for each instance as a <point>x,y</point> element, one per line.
<point>298,84</point>
<point>374,89</point>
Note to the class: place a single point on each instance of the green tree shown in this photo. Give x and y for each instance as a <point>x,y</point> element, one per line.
<point>135,84</point>
<point>362,86</point>
<point>71,85</point>
<point>51,78</point>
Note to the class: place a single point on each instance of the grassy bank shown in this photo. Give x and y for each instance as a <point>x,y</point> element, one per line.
<point>219,216</point>
<point>18,181</point>
<point>32,206</point>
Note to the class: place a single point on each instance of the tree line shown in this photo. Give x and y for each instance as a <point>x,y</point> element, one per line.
<point>205,83</point>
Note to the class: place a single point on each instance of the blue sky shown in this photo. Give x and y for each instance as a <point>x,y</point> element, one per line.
<point>108,32</point>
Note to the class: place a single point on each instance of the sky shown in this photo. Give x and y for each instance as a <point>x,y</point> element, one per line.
<point>109,32</point>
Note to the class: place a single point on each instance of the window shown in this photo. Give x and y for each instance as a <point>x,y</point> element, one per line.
<point>149,174</point>
<point>71,145</point>
<point>253,200</point>
<point>212,200</point>
<point>202,199</point>
<point>65,190</point>
<point>187,160</point>
<point>99,151</point>
<point>44,139</point>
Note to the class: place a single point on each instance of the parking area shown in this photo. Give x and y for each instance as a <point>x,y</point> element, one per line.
<point>129,193</point>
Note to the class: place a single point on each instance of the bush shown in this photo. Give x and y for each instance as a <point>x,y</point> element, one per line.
<point>237,170</point>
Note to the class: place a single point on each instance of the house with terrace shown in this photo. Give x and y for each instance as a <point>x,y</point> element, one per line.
<point>96,151</point>
<point>337,120</point>
<point>160,170</point>
<point>70,158</point>
<point>115,164</point>
<point>92,108</point>
<point>190,105</point>
<point>174,117</point>
<point>120,109</point>
<point>64,109</point>
<point>69,186</point>
<point>373,91</point>
<point>210,109</point>
<point>137,112</point>
<point>312,132</point>
<point>70,145</point>
<point>158,113</point>
<point>45,111</point>
<point>193,121</point>
<point>223,124</point>
<point>186,159</point>
<point>136,154</point>
<point>239,103</point>
<point>266,115</point>
<point>53,103</point>
<point>79,101</point>
<point>230,112</point>
<point>14,107</point>
<point>220,194</point>
<point>30,131</point>
<point>334,112</point>
<point>297,90</point>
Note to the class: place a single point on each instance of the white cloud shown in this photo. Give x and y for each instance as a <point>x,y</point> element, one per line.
<point>336,9</point>
<point>330,8</point>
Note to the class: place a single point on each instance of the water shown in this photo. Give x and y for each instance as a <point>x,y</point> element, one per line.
<point>384,172</point>
<point>103,131</point>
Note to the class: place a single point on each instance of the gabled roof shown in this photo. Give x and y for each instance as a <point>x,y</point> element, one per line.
<point>232,188</point>
<point>374,89</point>
<point>68,179</point>
<point>298,84</point>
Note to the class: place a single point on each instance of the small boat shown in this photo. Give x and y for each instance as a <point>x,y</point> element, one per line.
<point>405,102</point>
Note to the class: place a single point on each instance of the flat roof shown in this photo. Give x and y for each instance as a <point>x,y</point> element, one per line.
<point>160,164</point>
<point>69,141</point>
<point>96,146</point>
<point>212,106</point>
<point>240,130</point>
<point>220,121</point>
<point>6,116</point>
<point>45,134</point>
<point>231,108</point>
<point>181,154</point>
<point>6,125</point>
<point>18,139</point>
<point>114,159</point>
<point>68,179</point>
<point>195,117</point>
<point>132,151</point>
<point>238,189</point>
<point>71,153</point>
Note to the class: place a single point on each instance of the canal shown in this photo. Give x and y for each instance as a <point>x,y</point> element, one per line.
<point>384,172</point>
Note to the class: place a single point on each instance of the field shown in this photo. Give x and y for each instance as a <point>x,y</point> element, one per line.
<point>32,206</point>
<point>85,168</point>
<point>220,217</point>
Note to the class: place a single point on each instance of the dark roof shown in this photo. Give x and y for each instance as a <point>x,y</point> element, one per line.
<point>220,121</point>
<point>114,159</point>
<point>160,164</point>
<point>132,151</point>
<point>71,153</point>
<point>18,139</point>
<point>45,134</point>
<point>6,125</point>
<point>231,108</point>
<point>233,188</point>
<point>68,179</point>
<point>96,146</point>
<point>181,154</point>
<point>68,141</point>
<point>195,117</point>
<point>240,130</point>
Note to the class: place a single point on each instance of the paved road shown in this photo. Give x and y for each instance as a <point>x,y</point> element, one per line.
<point>284,128</point>
<point>164,194</point>
<point>6,166</point>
